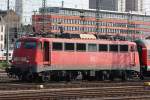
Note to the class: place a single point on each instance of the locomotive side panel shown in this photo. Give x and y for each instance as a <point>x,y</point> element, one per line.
<point>75,60</point>
<point>80,60</point>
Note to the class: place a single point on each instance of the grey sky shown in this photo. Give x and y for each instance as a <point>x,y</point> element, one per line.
<point>31,5</point>
<point>147,6</point>
<point>67,3</point>
<point>38,3</point>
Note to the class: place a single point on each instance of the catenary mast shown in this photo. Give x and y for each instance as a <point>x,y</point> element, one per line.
<point>44,2</point>
<point>7,35</point>
<point>97,16</point>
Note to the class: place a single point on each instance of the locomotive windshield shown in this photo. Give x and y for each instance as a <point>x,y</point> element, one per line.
<point>26,44</point>
<point>17,45</point>
<point>29,45</point>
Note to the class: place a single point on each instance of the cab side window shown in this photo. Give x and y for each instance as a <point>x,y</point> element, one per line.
<point>17,45</point>
<point>39,45</point>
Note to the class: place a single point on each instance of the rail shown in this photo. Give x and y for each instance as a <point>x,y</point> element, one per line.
<point>106,93</point>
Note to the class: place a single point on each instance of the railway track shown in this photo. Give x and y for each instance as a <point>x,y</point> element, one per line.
<point>4,77</point>
<point>30,86</point>
<point>132,90</point>
<point>102,93</point>
<point>7,83</point>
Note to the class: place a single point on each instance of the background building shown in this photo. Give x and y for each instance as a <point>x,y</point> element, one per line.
<point>146,6</point>
<point>23,8</point>
<point>12,23</point>
<point>134,5</point>
<point>79,21</point>
<point>2,33</point>
<point>118,5</point>
<point>105,4</point>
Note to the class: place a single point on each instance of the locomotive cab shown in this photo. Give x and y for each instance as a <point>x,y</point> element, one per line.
<point>26,55</point>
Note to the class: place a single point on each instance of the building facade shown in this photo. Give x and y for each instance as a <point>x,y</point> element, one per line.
<point>23,10</point>
<point>79,21</point>
<point>118,5</point>
<point>134,5</point>
<point>105,4</point>
<point>2,34</point>
<point>146,7</point>
<point>12,23</point>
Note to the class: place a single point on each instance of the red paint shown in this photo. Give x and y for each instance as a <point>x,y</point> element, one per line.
<point>94,60</point>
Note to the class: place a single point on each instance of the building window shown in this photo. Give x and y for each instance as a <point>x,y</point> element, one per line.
<point>1,28</point>
<point>1,46</point>
<point>1,37</point>
<point>40,45</point>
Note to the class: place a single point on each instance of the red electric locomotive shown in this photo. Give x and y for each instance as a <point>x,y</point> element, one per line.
<point>70,59</point>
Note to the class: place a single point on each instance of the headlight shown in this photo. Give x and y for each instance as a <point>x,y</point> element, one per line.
<point>23,59</point>
<point>15,58</point>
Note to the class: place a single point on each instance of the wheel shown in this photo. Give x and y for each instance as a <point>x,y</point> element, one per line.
<point>111,77</point>
<point>68,77</point>
<point>124,76</point>
<point>23,78</point>
<point>103,76</point>
<point>44,78</point>
<point>29,77</point>
<point>107,75</point>
<point>141,76</point>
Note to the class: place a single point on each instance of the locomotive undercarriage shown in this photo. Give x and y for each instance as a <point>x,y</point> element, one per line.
<point>89,75</point>
<point>71,75</point>
<point>31,73</point>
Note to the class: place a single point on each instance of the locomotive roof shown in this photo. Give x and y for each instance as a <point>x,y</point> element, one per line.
<point>77,40</point>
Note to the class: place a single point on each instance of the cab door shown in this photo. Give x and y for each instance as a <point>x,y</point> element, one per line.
<point>46,53</point>
<point>132,55</point>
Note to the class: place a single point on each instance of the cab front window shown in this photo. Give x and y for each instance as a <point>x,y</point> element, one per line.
<point>17,45</point>
<point>30,45</point>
